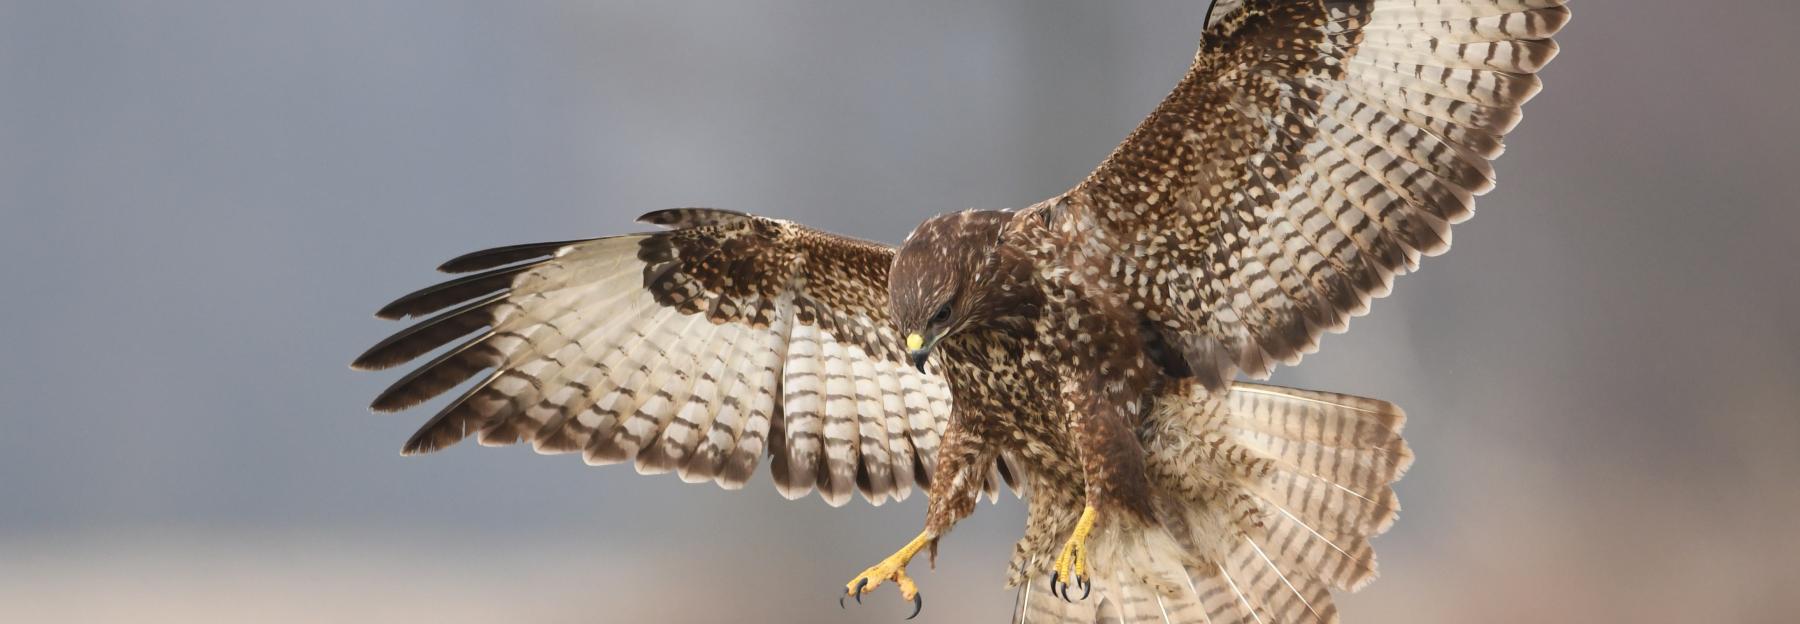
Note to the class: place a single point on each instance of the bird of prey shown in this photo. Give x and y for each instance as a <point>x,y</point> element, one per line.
<point>1092,351</point>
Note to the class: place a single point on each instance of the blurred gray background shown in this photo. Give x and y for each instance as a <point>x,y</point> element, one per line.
<point>204,201</point>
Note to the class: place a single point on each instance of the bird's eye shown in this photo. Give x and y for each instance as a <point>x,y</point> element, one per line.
<point>942,315</point>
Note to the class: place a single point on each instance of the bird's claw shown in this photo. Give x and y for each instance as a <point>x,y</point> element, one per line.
<point>1060,587</point>
<point>854,591</point>
<point>890,570</point>
<point>1071,566</point>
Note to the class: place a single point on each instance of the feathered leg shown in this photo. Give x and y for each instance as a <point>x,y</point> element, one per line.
<point>963,463</point>
<point>1112,466</point>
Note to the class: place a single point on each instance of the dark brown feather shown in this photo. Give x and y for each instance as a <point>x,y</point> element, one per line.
<point>445,294</point>
<point>498,256</point>
<point>429,334</point>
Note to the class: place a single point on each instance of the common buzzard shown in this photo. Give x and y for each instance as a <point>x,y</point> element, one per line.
<point>1084,350</point>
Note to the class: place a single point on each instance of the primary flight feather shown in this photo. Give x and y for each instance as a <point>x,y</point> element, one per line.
<point>1085,350</point>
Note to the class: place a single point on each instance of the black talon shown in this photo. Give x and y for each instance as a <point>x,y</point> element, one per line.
<point>857,592</point>
<point>918,604</point>
<point>1086,587</point>
<point>1053,577</point>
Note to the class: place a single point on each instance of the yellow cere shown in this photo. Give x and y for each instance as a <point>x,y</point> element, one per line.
<point>915,342</point>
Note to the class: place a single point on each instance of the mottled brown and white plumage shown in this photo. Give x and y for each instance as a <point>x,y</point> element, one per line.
<point>1084,350</point>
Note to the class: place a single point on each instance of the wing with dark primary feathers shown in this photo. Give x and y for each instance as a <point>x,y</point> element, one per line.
<point>694,350</point>
<point>1316,149</point>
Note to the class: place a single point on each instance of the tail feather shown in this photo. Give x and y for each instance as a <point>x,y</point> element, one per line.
<point>1267,499</point>
<point>1321,418</point>
<point>1326,505</point>
<point>1113,600</point>
<point>1342,560</point>
<point>1278,593</point>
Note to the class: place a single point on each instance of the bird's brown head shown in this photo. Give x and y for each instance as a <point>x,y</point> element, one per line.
<point>945,279</point>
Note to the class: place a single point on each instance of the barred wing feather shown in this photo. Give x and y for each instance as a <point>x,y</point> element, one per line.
<point>1315,150</point>
<point>696,350</point>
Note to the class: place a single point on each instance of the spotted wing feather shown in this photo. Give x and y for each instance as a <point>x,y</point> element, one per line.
<point>1315,150</point>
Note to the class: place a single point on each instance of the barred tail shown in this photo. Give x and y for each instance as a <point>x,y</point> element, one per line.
<point>1267,498</point>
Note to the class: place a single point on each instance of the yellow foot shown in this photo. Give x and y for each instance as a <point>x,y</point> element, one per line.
<point>1071,565</point>
<point>893,569</point>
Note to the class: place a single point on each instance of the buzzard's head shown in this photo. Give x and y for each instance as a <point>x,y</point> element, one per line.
<point>943,279</point>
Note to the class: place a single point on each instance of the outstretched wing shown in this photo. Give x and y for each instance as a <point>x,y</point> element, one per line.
<point>1316,149</point>
<point>692,350</point>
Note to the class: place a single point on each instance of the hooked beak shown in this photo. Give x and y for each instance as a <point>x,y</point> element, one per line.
<point>918,350</point>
